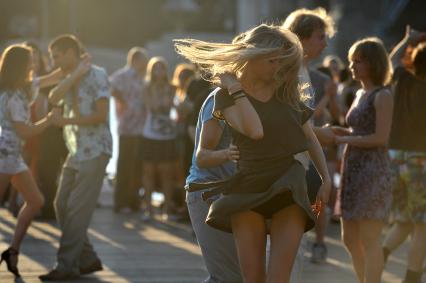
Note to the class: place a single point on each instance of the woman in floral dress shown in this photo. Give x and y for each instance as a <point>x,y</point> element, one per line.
<point>366,176</point>
<point>15,87</point>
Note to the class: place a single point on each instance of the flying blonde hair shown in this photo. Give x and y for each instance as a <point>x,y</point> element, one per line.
<point>215,58</point>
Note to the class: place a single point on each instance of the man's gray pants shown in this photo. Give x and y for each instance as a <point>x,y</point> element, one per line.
<point>218,248</point>
<point>75,202</point>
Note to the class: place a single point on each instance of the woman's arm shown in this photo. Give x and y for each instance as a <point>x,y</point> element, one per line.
<point>58,92</point>
<point>26,131</point>
<point>52,78</point>
<point>207,155</point>
<point>325,135</point>
<point>241,116</point>
<point>212,158</point>
<point>412,37</point>
<point>317,156</point>
<point>383,102</point>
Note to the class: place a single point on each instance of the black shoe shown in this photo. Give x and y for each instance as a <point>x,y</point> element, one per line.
<point>57,275</point>
<point>9,256</point>
<point>94,267</point>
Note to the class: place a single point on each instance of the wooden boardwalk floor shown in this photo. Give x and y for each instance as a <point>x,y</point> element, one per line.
<point>135,251</point>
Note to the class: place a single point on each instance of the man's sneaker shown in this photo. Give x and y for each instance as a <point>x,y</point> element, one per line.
<point>57,275</point>
<point>319,253</point>
<point>93,267</point>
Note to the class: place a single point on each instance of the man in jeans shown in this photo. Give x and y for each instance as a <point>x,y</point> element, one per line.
<point>218,248</point>
<point>85,94</point>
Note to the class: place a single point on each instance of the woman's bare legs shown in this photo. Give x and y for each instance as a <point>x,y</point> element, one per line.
<point>287,228</point>
<point>24,183</point>
<point>351,238</point>
<point>370,232</point>
<point>362,239</point>
<point>417,248</point>
<point>396,236</point>
<point>249,232</point>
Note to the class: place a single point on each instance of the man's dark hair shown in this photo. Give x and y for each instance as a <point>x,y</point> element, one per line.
<point>65,42</point>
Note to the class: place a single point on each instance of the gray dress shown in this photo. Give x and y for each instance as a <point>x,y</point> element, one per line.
<point>366,173</point>
<point>13,108</point>
<point>268,177</point>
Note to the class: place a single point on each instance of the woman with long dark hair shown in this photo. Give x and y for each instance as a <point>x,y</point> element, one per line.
<point>15,95</point>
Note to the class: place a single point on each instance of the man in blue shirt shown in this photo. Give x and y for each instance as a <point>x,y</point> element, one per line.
<point>218,248</point>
